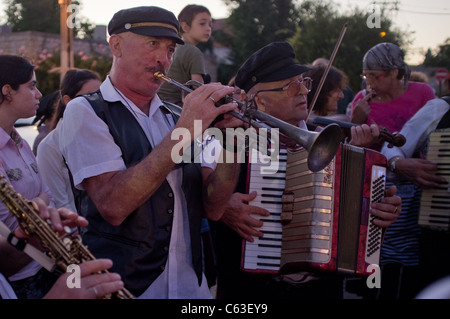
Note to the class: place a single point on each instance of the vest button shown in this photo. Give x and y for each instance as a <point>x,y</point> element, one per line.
<point>170,211</point>
<point>168,228</point>
<point>163,268</point>
<point>166,249</point>
<point>170,195</point>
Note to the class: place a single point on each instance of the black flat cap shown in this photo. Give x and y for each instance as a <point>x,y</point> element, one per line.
<point>150,21</point>
<point>274,62</point>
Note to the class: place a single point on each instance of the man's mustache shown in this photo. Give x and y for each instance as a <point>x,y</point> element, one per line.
<point>160,69</point>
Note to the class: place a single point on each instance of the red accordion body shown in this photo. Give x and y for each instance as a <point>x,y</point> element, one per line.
<point>318,220</point>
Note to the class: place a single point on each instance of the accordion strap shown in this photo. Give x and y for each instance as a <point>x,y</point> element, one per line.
<point>445,121</point>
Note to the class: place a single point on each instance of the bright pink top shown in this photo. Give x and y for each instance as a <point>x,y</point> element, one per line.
<point>394,114</point>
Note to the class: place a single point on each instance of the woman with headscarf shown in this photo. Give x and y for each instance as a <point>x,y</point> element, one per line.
<point>389,99</point>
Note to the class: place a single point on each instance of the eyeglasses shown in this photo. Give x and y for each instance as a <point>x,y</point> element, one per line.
<point>366,76</point>
<point>292,88</point>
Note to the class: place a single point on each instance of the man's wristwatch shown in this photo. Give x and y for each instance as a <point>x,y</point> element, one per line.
<point>392,161</point>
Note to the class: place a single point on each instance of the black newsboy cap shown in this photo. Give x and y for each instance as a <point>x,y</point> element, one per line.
<point>146,20</point>
<point>274,62</point>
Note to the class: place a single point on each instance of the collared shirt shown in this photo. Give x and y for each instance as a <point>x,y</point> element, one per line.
<point>18,165</point>
<point>90,150</point>
<point>54,170</point>
<point>212,148</point>
<point>6,291</point>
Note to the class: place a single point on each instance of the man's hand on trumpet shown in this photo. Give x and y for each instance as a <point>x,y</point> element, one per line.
<point>201,105</point>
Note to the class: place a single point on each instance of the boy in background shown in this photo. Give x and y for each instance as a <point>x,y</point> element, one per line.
<point>188,60</point>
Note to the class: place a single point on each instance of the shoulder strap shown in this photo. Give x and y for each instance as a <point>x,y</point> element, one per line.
<point>173,109</point>
<point>445,121</point>
<point>446,98</point>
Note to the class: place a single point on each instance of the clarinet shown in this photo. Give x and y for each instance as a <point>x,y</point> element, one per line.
<point>64,251</point>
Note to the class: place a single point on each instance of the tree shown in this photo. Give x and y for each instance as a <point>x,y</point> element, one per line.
<point>319,29</point>
<point>255,23</point>
<point>48,68</point>
<point>441,58</point>
<point>21,15</point>
<point>311,27</point>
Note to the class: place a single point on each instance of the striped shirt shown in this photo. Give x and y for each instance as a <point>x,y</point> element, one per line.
<point>401,242</point>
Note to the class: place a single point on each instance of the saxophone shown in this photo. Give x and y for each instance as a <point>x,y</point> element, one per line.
<point>64,251</point>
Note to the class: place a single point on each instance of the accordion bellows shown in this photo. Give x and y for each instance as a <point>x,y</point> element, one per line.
<point>323,218</point>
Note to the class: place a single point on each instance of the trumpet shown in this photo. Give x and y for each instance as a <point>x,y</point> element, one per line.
<point>321,146</point>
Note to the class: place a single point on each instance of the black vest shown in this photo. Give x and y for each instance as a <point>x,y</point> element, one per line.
<point>139,246</point>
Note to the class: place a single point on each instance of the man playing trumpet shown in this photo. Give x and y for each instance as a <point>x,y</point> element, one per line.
<point>144,211</point>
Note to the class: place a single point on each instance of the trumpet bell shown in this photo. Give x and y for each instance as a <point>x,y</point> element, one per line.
<point>323,147</point>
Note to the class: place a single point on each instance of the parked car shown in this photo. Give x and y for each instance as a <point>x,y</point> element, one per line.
<point>27,129</point>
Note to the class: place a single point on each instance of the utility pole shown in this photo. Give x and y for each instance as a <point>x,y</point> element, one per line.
<point>66,30</point>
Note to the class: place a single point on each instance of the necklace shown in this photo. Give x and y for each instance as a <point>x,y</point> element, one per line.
<point>162,108</point>
<point>126,101</point>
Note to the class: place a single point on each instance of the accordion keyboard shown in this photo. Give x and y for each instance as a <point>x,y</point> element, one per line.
<point>265,252</point>
<point>306,210</point>
<point>435,202</point>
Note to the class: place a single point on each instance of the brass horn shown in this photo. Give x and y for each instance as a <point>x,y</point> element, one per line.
<point>321,146</point>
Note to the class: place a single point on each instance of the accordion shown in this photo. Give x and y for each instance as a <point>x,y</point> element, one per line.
<point>317,220</point>
<point>435,203</point>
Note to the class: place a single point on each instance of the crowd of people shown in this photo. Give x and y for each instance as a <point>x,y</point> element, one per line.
<point>170,228</point>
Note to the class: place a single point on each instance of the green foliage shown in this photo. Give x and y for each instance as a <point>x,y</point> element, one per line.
<point>312,28</point>
<point>255,23</point>
<point>441,58</point>
<point>319,30</point>
<point>21,15</point>
<point>94,62</point>
<point>48,68</point>
<point>43,16</point>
